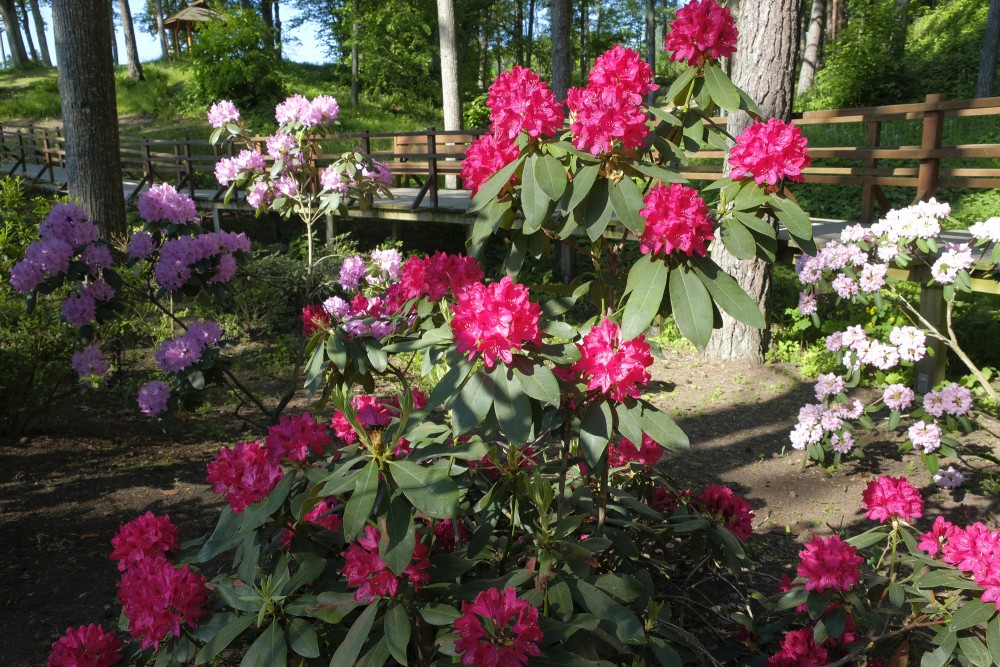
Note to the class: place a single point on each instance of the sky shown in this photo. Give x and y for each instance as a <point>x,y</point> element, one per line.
<point>299,45</point>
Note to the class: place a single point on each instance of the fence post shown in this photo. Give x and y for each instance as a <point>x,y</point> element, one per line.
<point>873,138</point>
<point>930,167</point>
<point>366,143</point>
<point>189,165</point>
<point>930,370</point>
<point>432,165</point>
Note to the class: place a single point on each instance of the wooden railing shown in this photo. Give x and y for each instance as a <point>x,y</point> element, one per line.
<point>37,152</point>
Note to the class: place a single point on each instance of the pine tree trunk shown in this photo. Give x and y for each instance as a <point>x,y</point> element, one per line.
<point>355,56</point>
<point>584,41</point>
<point>562,67</point>
<point>277,26</point>
<point>26,26</point>
<point>518,32</point>
<point>810,54</point>
<point>988,59</point>
<point>161,32</point>
<point>131,50</point>
<point>90,115</point>
<point>450,94</point>
<point>531,30</point>
<point>17,53</point>
<point>764,68</point>
<point>114,37</point>
<point>651,39</point>
<point>36,16</point>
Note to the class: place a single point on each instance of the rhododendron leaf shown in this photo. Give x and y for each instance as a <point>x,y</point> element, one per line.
<point>657,172</point>
<point>972,613</point>
<point>647,281</point>
<point>534,202</point>
<point>560,329</point>
<point>792,598</point>
<point>626,200</point>
<point>721,89</point>
<point>430,490</point>
<point>750,196</point>
<point>396,625</point>
<point>628,421</point>
<point>361,502</point>
<point>465,451</point>
<point>691,306</point>
<point>511,406</point>
<point>473,403</point>
<point>550,176</point>
<point>223,538</point>
<point>515,254</point>
<point>268,650</point>
<point>973,649</point>
<point>492,187</point>
<point>579,187</point>
<point>398,535</point>
<point>595,431</point>
<point>665,116</point>
<point>661,428</point>
<point>310,567</point>
<point>694,133</point>
<point>233,627</point>
<point>256,515</point>
<point>758,225</point>
<point>796,222</point>
<point>867,538</point>
<point>623,587</point>
<point>595,212</point>
<point>350,648</point>
<point>727,293</point>
<point>677,89</point>
<point>329,606</point>
<point>993,639</point>
<point>538,382</point>
<point>302,638</point>
<point>896,595</point>
<point>438,613</point>
<point>665,653</point>
<point>615,618</point>
<point>488,221</point>
<point>738,239</point>
<point>376,355</point>
<point>316,369</point>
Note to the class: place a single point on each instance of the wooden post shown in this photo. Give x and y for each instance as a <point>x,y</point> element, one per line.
<point>929,371</point>
<point>366,143</point>
<point>331,231</point>
<point>432,165</point>
<point>873,137</point>
<point>190,166</point>
<point>566,256</point>
<point>927,177</point>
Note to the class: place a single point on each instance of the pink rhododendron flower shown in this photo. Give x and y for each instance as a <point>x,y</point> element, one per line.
<point>162,203</point>
<point>615,367</point>
<point>894,498</point>
<point>485,157</point>
<point>897,397</point>
<point>432,277</point>
<point>243,473</point>
<point>365,569</point>
<point>445,534</point>
<point>86,646</point>
<point>734,512</point>
<point>521,102</point>
<point>799,649</point>
<point>769,152</point>
<point>223,112</point>
<point>829,563</point>
<point>141,245</point>
<point>323,515</point>
<point>158,598</point>
<point>498,630</point>
<point>624,70</point>
<point>602,119</point>
<point>925,435</point>
<point>937,536</point>
<point>314,318</point>
<point>79,309</point>
<point>90,361</point>
<point>153,397</point>
<point>703,30</point>
<point>625,452</point>
<point>294,437</point>
<point>492,320</point>
<point>676,219</point>
<point>665,500</point>
<point>146,536</point>
<point>371,413</point>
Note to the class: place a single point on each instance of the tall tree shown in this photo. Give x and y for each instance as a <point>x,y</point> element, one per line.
<point>114,38</point>
<point>810,54</point>
<point>161,31</point>
<point>988,59</point>
<point>17,53</point>
<point>562,67</point>
<point>531,31</point>
<point>131,50</point>
<point>90,115</point>
<point>764,67</point>
<point>519,32</point>
<point>43,44</point>
<point>450,93</point>
<point>355,55</point>
<point>584,41</point>
<point>651,38</point>
<point>23,19</point>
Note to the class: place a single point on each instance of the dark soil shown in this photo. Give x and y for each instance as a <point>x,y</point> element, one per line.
<point>65,488</point>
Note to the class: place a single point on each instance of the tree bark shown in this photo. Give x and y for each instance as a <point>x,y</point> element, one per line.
<point>518,31</point>
<point>584,41</point>
<point>531,30</point>
<point>901,20</point>
<point>355,56</point>
<point>449,65</point>
<point>26,26</point>
<point>277,26</point>
<point>90,115</point>
<point>991,44</point>
<point>131,50</point>
<point>43,44</point>
<point>114,37</point>
<point>17,53</point>
<point>651,40</point>
<point>559,19</point>
<point>764,68</point>
<point>810,54</point>
<point>161,32</point>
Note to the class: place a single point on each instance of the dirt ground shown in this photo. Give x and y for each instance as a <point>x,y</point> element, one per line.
<point>66,487</point>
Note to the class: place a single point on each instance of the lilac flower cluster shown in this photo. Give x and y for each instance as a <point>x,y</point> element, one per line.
<point>209,256</point>
<point>925,435</point>
<point>949,479</point>
<point>65,234</point>
<point>332,179</point>
<point>322,110</point>
<point>223,112</point>
<point>162,203</point>
<point>817,421</point>
<point>897,397</point>
<point>952,400</point>
<point>153,397</point>
<point>956,257</point>
<point>384,269</point>
<point>905,344</point>
<point>184,351</point>
<point>229,170</point>
<point>91,363</point>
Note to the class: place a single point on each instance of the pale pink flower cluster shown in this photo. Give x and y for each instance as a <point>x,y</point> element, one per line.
<point>987,230</point>
<point>703,30</point>
<point>285,147</point>
<point>245,474</point>
<point>905,344</point>
<point>181,258</point>
<point>493,320</point>
<point>832,257</point>
<point>974,550</point>
<point>828,384</point>
<point>920,221</point>
<point>952,399</point>
<point>925,436</point>
<point>911,342</point>
<point>332,179</point>
<point>231,169</point>
<point>808,304</point>
<point>949,479</point>
<point>817,421</point>
<point>613,366</point>
<point>897,397</point>
<point>676,219</point>
<point>91,362</point>
<point>222,113</point>
<point>162,203</point>
<point>184,351</point>
<point>956,257</point>
<point>321,110</point>
<point>769,152</point>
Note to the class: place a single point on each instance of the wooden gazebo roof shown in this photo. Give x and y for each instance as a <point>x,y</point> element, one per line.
<point>186,19</point>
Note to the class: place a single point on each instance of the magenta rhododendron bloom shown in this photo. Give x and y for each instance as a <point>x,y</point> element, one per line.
<point>323,515</point>
<point>521,102</point>
<point>603,119</point>
<point>492,320</point>
<point>829,563</point>
<point>162,203</point>
<point>614,366</point>
<point>974,550</point>
<point>893,498</point>
<point>365,569</point>
<point>146,536</point>
<point>799,649</point>
<point>676,219</point>
<point>625,452</point>
<point>703,30</point>
<point>243,473</point>
<point>153,397</point>
<point>498,630</point>
<point>448,533</point>
<point>432,277</point>
<point>624,70</point>
<point>733,511</point>
<point>371,413</point>
<point>937,536</point>
<point>769,152</point>
<point>295,436</point>
<point>223,112</point>
<point>485,157</point>
<point>86,646</point>
<point>158,598</point>
<point>314,318</point>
